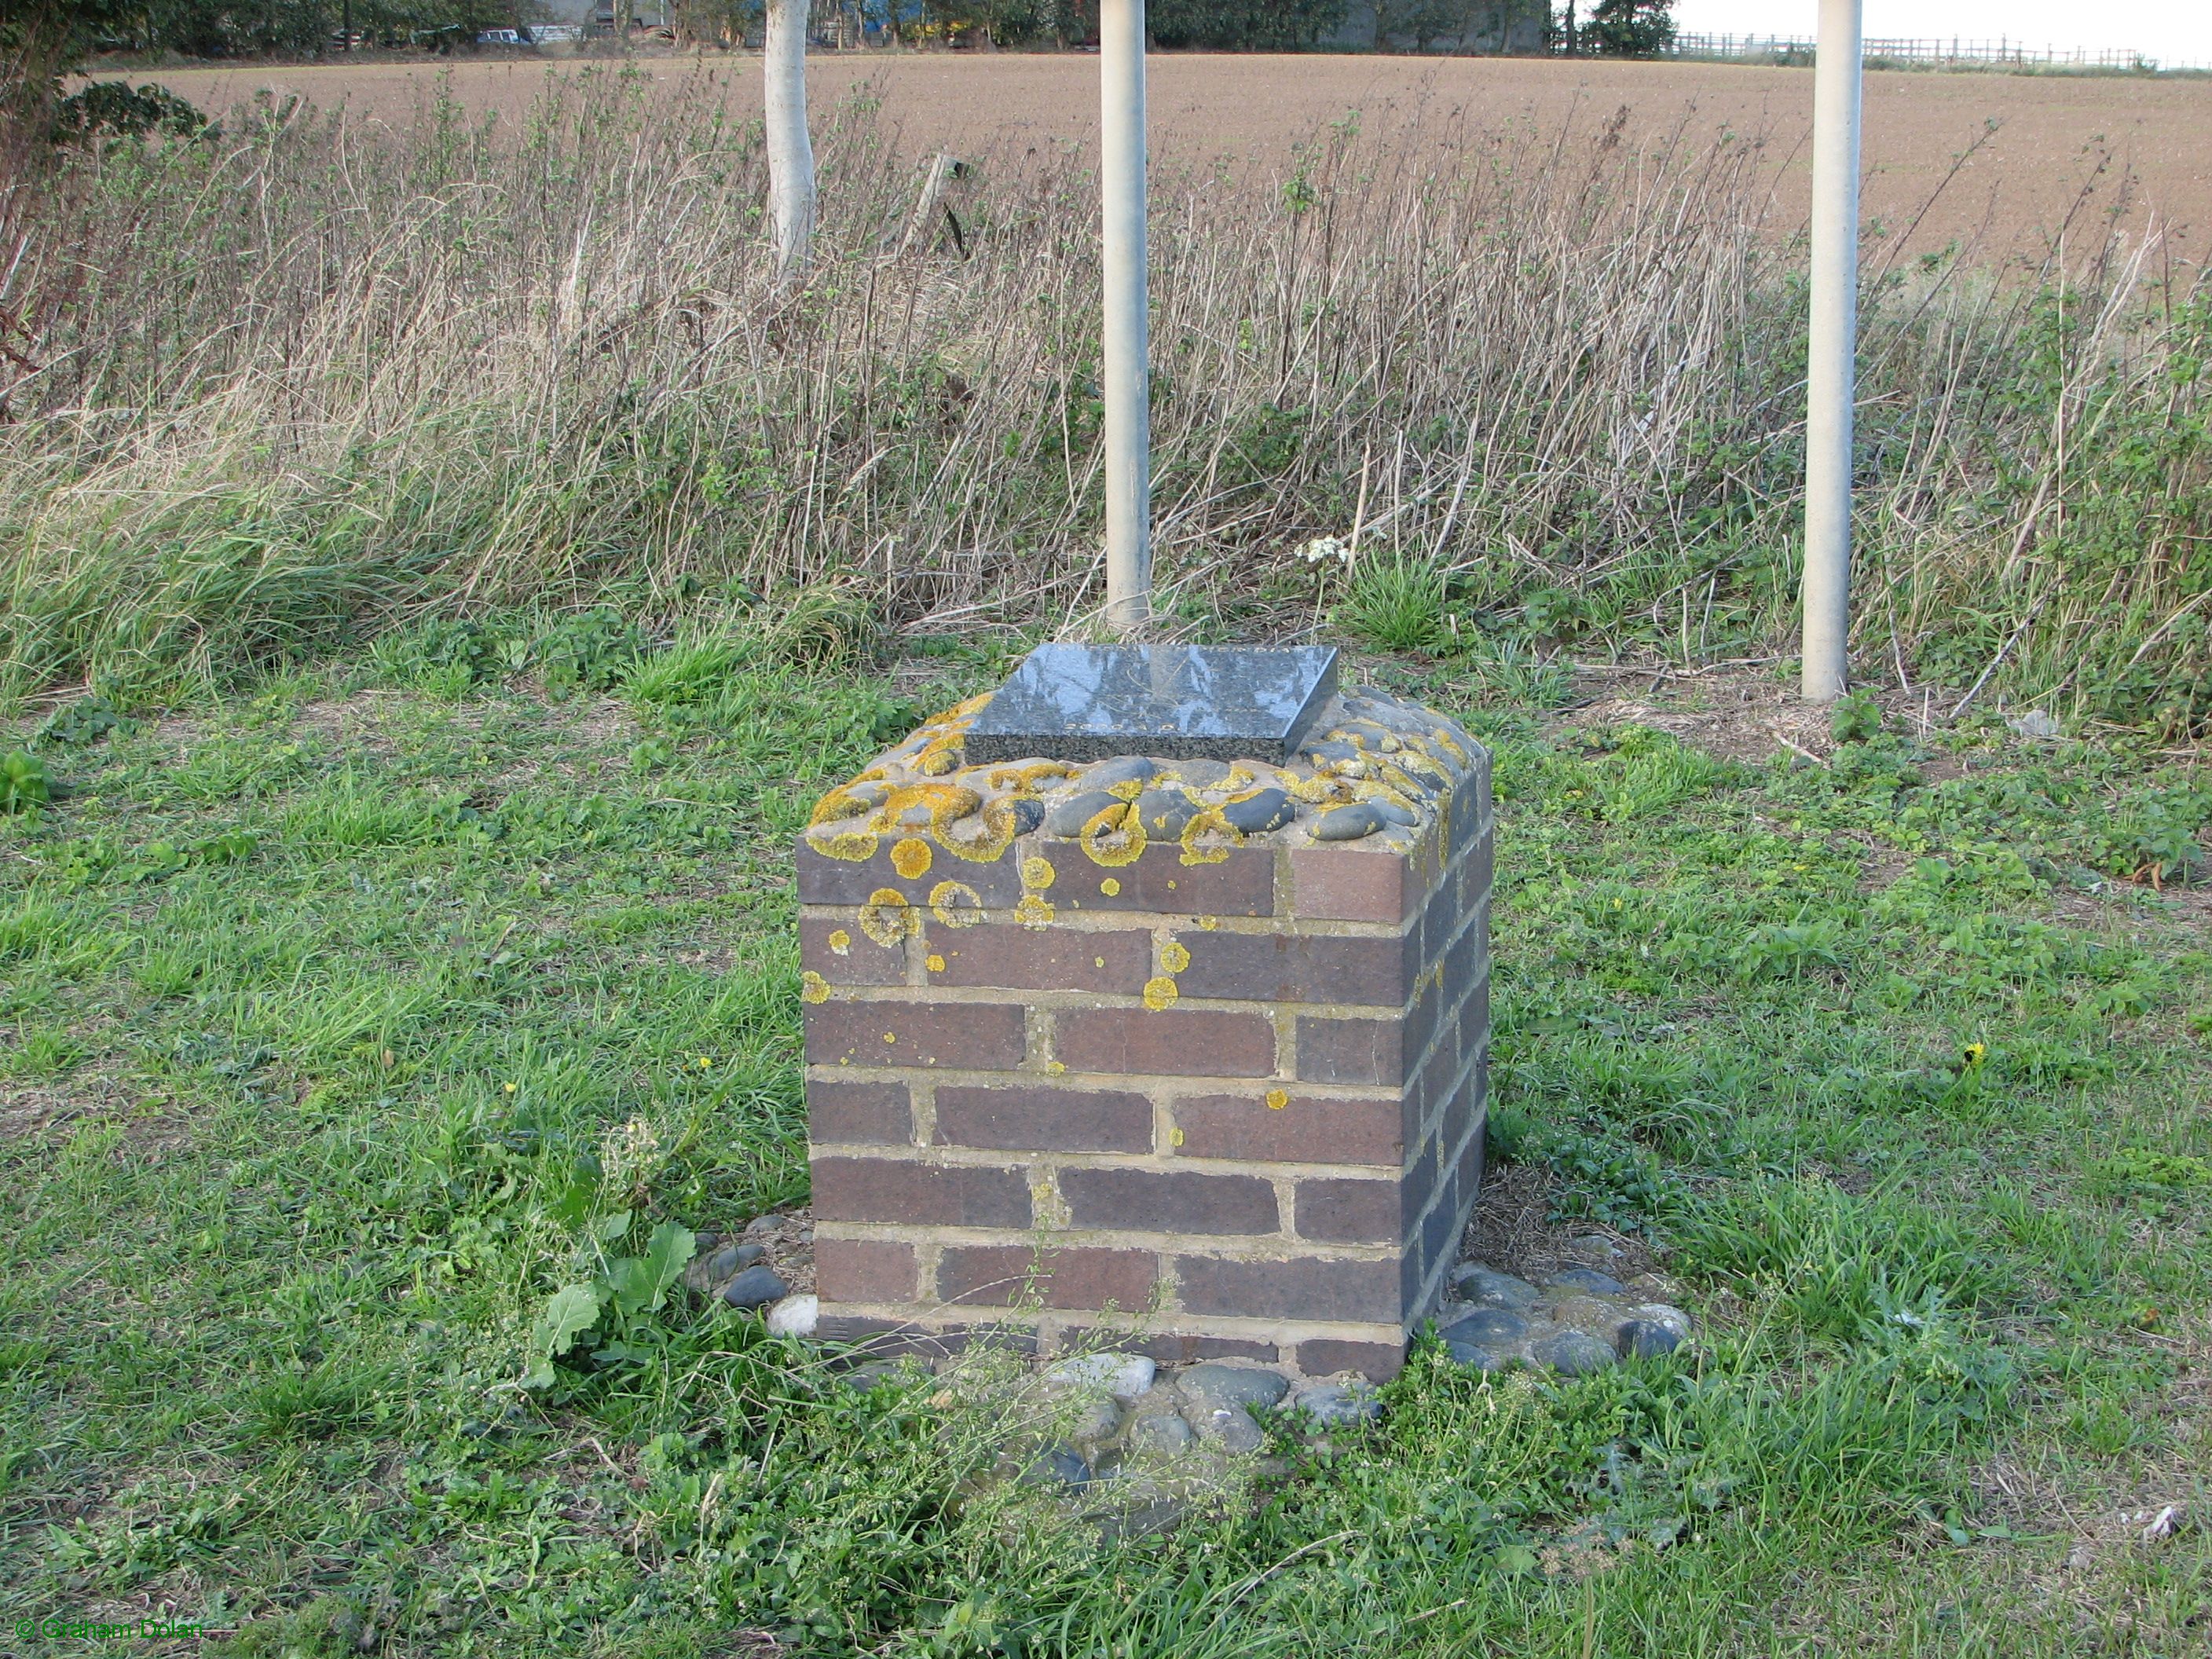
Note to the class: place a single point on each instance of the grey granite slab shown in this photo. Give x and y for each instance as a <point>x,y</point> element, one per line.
<point>1091,702</point>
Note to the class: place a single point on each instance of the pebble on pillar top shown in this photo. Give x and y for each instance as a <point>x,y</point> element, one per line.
<point>1161,1006</point>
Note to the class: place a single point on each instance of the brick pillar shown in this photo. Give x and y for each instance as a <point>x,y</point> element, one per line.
<point>1225,1090</point>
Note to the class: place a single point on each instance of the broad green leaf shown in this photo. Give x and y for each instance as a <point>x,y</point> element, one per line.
<point>573,1309</point>
<point>673,1245</point>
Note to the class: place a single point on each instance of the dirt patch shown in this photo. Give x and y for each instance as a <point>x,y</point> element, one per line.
<point>1510,1231</point>
<point>29,1109</point>
<point>1013,110</point>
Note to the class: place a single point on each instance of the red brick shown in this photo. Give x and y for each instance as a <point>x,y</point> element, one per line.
<point>1463,957</point>
<point>1475,871</point>
<point>1474,1016</point>
<point>1351,1051</point>
<point>864,1270</point>
<point>1305,1129</point>
<point>862,961</point>
<point>1154,1201</point>
<point>1193,1043</point>
<point>1349,1212</point>
<point>1468,1173</point>
<point>977,1036</point>
<point>996,1275</point>
<point>1053,959</point>
<point>1037,1117</point>
<point>1339,884</point>
<point>1440,1228</point>
<point>1157,880</point>
<point>1470,808</point>
<point>1376,1361</point>
<point>1304,1289</point>
<point>897,1190</point>
<point>858,1113</point>
<point>1294,967</point>
<point>826,880</point>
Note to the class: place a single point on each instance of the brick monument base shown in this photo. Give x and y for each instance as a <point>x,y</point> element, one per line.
<point>1192,1049</point>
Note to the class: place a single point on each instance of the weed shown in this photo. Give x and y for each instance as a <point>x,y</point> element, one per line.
<point>1394,603</point>
<point>23,786</point>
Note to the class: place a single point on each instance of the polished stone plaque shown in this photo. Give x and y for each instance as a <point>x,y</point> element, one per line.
<point>1088,702</point>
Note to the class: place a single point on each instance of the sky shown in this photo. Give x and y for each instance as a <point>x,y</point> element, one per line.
<point>2173,31</point>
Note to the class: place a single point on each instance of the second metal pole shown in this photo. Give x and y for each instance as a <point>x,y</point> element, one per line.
<point>1128,387</point>
<point>1831,367</point>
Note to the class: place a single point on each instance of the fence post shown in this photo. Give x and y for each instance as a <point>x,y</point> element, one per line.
<point>1128,406</point>
<point>1831,369</point>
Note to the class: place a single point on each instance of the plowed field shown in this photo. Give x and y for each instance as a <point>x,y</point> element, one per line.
<point>2051,132</point>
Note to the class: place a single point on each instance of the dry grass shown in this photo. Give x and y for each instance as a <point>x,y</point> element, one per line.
<point>319,374</point>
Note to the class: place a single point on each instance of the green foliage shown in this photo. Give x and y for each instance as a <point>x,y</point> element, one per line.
<point>118,109</point>
<point>1395,602</point>
<point>1243,25</point>
<point>1628,29</point>
<point>83,722</point>
<point>1857,717</point>
<point>588,652</point>
<point>23,786</point>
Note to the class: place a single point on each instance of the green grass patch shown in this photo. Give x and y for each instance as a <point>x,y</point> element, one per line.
<point>373,1041</point>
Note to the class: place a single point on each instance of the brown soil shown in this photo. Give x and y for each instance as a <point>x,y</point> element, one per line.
<point>1256,108</point>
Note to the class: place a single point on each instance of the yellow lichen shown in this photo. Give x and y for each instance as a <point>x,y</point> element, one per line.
<point>840,941</point>
<point>855,844</point>
<point>1055,1066</point>
<point>1450,745</point>
<point>956,904</point>
<point>1160,994</point>
<point>1104,824</point>
<point>937,759</point>
<point>936,963</point>
<point>887,917</point>
<point>1127,788</point>
<point>813,987</point>
<point>1036,873</point>
<point>839,804</point>
<point>999,826</point>
<point>1174,1138</point>
<point>1209,923</point>
<point>1206,818</point>
<point>1027,775</point>
<point>910,858</point>
<point>1034,912</point>
<point>1317,789</point>
<point>943,801</point>
<point>1277,1099</point>
<point>1174,957</point>
<point>1110,887</point>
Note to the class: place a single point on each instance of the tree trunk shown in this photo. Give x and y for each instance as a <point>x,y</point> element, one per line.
<point>790,155</point>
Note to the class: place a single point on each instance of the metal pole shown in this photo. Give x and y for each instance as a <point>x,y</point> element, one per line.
<point>1129,403</point>
<point>1831,368</point>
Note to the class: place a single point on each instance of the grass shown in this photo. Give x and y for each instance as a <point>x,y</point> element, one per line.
<point>350,1017</point>
<point>265,394</point>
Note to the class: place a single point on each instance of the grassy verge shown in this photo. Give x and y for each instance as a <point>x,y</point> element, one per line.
<point>349,1018</point>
